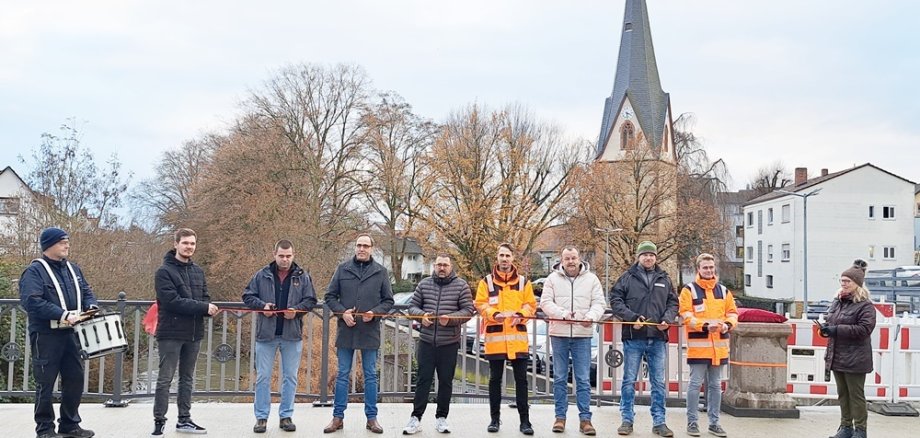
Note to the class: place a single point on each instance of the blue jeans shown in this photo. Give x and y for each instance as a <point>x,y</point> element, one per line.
<point>713,376</point>
<point>369,364</point>
<point>265,361</point>
<point>580,351</point>
<point>654,351</point>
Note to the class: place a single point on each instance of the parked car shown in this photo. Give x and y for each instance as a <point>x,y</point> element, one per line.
<point>538,286</point>
<point>815,310</point>
<point>402,299</point>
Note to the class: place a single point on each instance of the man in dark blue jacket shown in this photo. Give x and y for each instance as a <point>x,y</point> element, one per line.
<point>183,301</point>
<point>359,290</point>
<point>54,293</point>
<point>282,285</point>
<point>644,295</point>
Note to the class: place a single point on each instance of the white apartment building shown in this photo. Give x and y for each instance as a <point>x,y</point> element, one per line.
<point>862,212</point>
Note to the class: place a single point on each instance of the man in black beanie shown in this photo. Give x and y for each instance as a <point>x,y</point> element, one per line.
<point>54,293</point>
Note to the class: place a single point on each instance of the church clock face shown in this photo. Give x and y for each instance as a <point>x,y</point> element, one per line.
<point>627,114</point>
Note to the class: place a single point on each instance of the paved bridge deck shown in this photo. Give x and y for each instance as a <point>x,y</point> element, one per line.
<point>467,420</point>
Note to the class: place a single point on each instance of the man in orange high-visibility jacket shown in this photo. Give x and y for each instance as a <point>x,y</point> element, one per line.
<point>709,313</point>
<point>504,298</point>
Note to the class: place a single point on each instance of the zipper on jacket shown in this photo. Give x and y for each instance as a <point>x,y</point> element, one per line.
<point>571,304</point>
<point>188,280</point>
<point>437,308</point>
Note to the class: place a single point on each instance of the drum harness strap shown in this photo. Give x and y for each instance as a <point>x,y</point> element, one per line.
<point>57,287</point>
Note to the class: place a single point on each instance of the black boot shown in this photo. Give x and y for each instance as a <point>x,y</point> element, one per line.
<point>494,425</point>
<point>526,427</point>
<point>859,433</point>
<point>845,432</point>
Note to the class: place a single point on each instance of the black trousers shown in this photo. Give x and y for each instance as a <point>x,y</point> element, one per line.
<point>496,371</point>
<point>442,359</point>
<point>56,354</point>
<point>175,354</point>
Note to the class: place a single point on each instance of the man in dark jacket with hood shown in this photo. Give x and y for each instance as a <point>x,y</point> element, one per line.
<point>359,290</point>
<point>183,301</point>
<point>445,303</point>
<point>54,293</point>
<point>644,295</point>
<point>282,285</point>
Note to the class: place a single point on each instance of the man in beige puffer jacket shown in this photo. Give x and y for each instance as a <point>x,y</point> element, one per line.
<point>572,292</point>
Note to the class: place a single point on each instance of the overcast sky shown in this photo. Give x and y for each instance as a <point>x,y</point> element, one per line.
<point>817,83</point>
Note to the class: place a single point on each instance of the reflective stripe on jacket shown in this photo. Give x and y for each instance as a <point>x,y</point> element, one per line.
<point>508,293</point>
<point>704,303</point>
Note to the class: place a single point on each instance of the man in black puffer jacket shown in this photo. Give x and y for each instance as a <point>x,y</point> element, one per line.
<point>183,301</point>
<point>446,304</point>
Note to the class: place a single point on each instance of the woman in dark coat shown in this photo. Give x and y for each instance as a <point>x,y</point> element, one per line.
<point>850,322</point>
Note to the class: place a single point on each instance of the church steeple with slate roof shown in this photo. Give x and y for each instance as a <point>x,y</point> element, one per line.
<point>638,111</point>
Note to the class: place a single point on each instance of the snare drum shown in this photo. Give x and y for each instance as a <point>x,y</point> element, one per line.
<point>101,335</point>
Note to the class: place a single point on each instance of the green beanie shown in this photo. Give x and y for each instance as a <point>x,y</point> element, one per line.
<point>646,246</point>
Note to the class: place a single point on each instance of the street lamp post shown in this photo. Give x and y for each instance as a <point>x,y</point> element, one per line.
<point>607,232</point>
<point>804,197</point>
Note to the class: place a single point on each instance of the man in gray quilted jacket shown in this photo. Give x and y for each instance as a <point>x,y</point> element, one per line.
<point>444,303</point>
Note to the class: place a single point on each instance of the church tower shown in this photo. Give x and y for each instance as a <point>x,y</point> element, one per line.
<point>635,159</point>
<point>638,112</point>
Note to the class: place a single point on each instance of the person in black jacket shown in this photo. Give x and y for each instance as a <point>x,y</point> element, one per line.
<point>849,327</point>
<point>282,285</point>
<point>359,290</point>
<point>644,294</point>
<point>54,293</point>
<point>445,303</point>
<point>183,301</point>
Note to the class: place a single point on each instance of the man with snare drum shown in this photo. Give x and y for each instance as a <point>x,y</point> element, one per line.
<point>54,293</point>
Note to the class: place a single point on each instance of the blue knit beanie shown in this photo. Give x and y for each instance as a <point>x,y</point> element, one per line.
<point>51,236</point>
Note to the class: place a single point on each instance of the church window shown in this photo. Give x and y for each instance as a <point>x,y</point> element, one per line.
<point>627,136</point>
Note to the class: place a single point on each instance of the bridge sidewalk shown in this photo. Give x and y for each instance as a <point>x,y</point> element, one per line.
<point>467,420</point>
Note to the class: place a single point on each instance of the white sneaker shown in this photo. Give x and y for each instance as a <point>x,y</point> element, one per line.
<point>413,427</point>
<point>441,425</point>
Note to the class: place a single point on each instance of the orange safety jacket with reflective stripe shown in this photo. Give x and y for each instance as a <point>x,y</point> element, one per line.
<point>704,303</point>
<point>503,292</point>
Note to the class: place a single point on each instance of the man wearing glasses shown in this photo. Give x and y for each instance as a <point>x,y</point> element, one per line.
<point>359,290</point>
<point>445,303</point>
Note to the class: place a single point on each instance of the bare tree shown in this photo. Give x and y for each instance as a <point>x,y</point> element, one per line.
<point>167,197</point>
<point>769,178</point>
<point>74,191</point>
<point>700,182</point>
<point>702,177</point>
<point>395,143</point>
<point>288,169</point>
<point>70,191</point>
<point>496,177</point>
